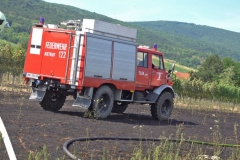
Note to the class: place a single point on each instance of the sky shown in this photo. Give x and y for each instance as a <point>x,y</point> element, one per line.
<point>223,14</point>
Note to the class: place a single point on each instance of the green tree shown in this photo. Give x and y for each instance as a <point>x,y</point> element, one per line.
<point>211,69</point>
<point>227,76</point>
<point>18,58</point>
<point>11,59</point>
<point>228,62</point>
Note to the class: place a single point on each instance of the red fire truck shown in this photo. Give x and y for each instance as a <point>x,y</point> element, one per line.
<point>100,64</point>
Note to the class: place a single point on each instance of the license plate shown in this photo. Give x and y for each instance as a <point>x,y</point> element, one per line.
<point>31,75</point>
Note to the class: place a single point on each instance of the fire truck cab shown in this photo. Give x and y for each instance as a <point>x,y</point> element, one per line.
<point>100,64</point>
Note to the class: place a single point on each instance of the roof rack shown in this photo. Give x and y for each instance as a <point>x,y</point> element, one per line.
<point>76,24</point>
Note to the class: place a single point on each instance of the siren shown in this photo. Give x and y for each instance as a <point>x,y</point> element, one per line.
<point>41,21</point>
<point>155,46</point>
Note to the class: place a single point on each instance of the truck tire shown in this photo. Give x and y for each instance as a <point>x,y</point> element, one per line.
<point>119,107</point>
<point>52,102</point>
<point>102,103</point>
<point>162,109</point>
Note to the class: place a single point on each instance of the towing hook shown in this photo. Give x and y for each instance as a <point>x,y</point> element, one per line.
<point>37,82</point>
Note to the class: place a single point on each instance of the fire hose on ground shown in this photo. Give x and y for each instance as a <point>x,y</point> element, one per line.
<point>67,143</point>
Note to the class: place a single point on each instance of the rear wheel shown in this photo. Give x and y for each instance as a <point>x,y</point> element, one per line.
<point>102,102</point>
<point>52,101</point>
<point>119,107</point>
<point>162,109</point>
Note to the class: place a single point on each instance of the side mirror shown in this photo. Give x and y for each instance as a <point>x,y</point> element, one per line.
<point>173,66</point>
<point>170,71</point>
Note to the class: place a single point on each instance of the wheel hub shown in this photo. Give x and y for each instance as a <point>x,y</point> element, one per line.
<point>103,103</point>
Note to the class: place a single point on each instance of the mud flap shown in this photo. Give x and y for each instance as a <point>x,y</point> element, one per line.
<point>38,93</point>
<point>81,101</point>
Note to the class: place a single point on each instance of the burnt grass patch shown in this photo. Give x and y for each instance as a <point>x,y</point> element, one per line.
<point>30,128</point>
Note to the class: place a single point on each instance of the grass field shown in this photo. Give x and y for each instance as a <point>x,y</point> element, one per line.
<point>180,68</point>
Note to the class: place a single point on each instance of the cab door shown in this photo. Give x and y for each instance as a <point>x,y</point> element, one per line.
<point>143,74</point>
<point>158,73</point>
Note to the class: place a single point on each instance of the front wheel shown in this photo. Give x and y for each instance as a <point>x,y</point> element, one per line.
<point>52,101</point>
<point>102,102</point>
<point>162,109</point>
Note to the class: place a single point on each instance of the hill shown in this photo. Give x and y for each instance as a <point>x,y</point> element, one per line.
<point>188,44</point>
<point>204,33</point>
<point>226,40</point>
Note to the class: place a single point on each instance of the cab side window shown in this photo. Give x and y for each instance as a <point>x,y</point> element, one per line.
<point>142,59</point>
<point>157,61</point>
